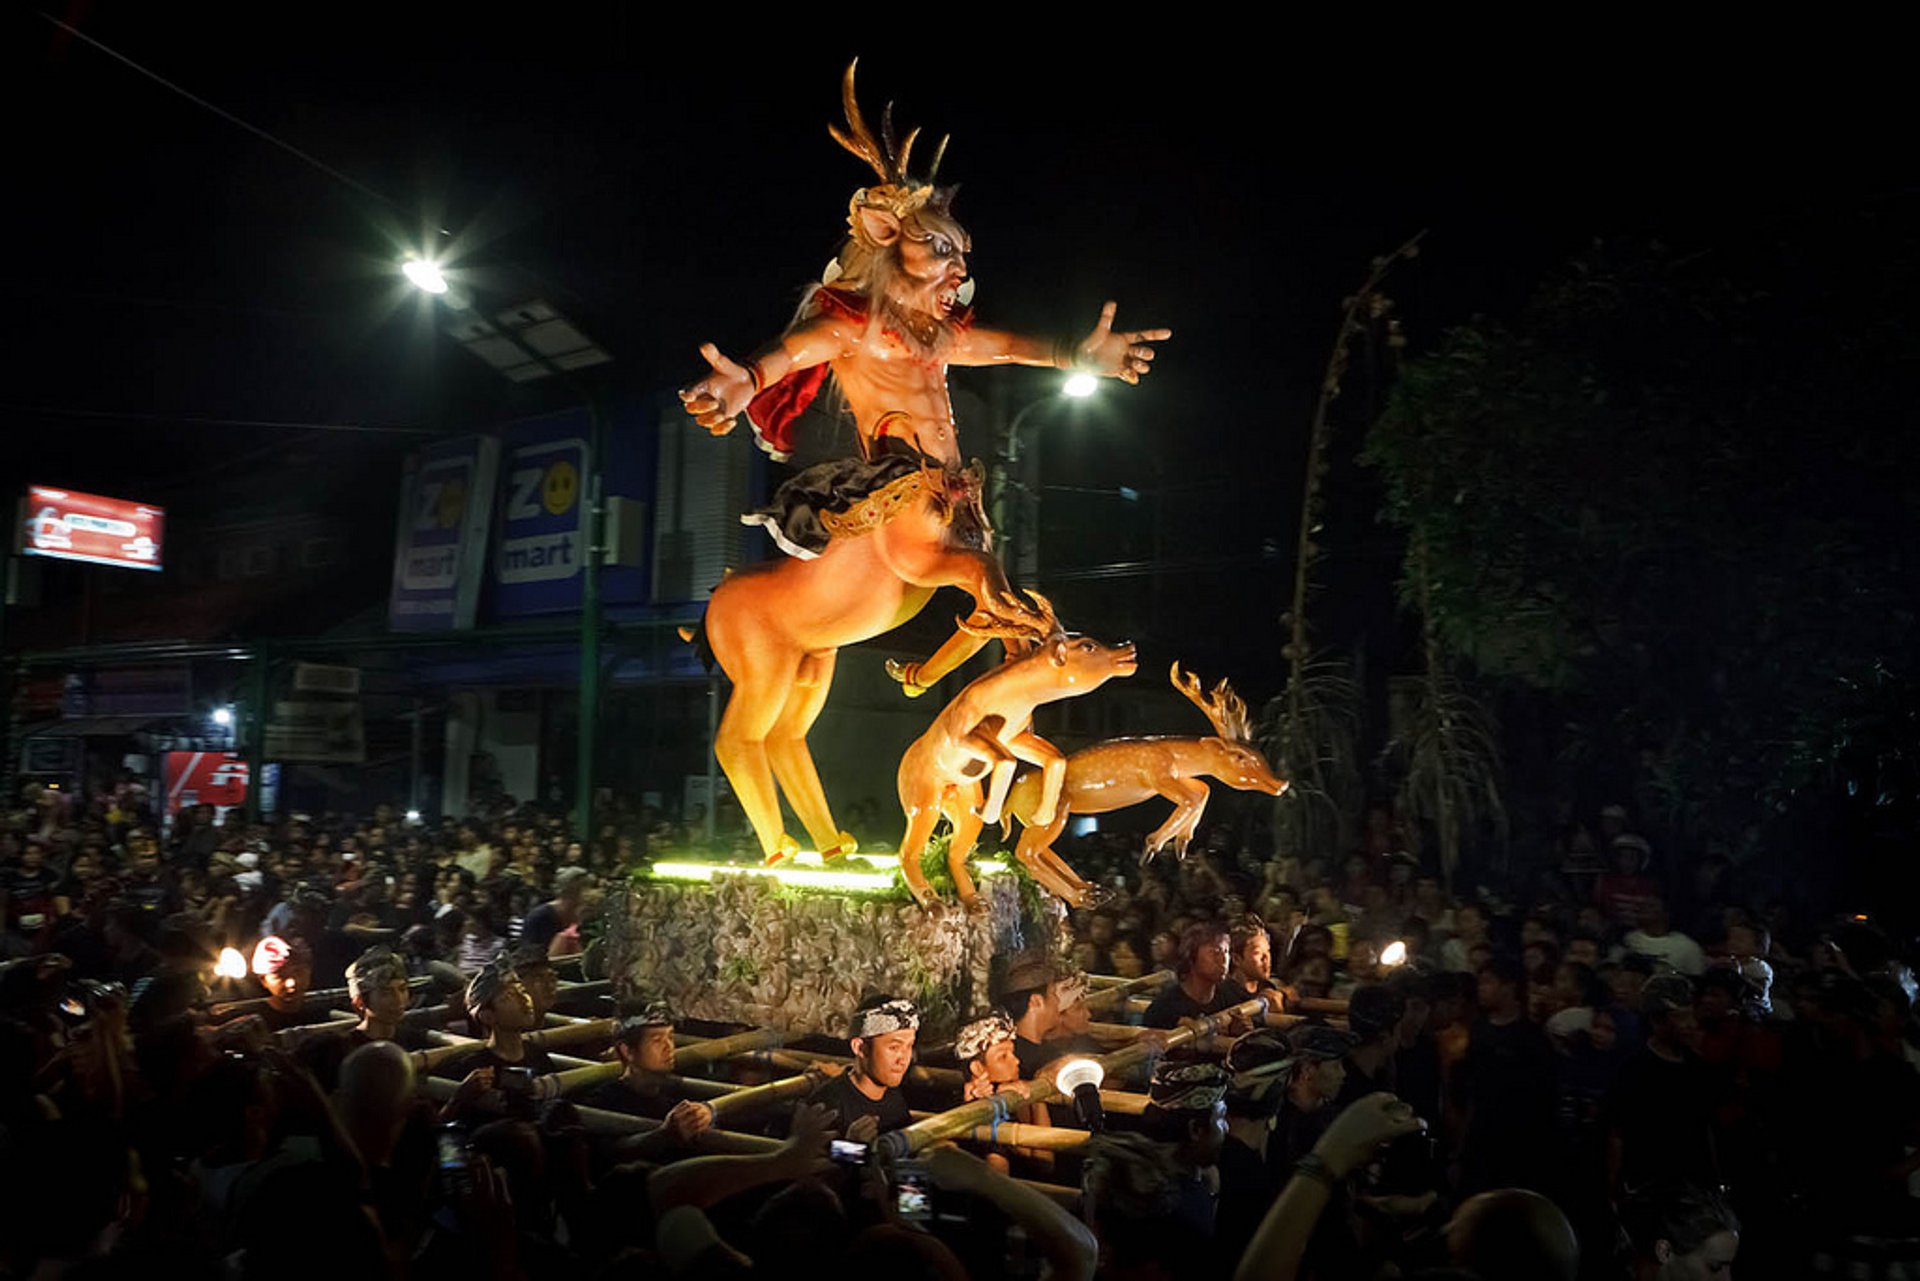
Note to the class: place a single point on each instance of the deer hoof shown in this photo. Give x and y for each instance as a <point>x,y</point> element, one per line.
<point>845,845</point>
<point>785,848</point>
<point>905,673</point>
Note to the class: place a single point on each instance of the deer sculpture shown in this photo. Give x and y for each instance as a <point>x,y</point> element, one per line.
<point>982,735</point>
<point>1125,771</point>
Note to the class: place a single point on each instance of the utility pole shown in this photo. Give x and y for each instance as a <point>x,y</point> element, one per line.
<point>589,716</point>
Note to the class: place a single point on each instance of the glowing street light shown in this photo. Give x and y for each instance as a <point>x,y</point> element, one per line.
<point>1394,953</point>
<point>223,717</point>
<point>1080,386</point>
<point>424,275</point>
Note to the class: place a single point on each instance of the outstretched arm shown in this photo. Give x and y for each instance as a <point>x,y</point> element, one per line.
<point>1126,355</point>
<point>717,400</point>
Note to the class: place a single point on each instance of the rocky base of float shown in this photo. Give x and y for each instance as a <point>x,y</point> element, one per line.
<point>746,949</point>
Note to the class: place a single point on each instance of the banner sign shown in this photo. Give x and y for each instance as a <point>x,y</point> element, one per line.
<point>323,731</point>
<point>440,544</point>
<point>65,525</point>
<point>204,778</point>
<point>543,527</point>
<point>542,541</point>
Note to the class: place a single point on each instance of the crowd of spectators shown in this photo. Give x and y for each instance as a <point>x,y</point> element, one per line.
<point>1607,1070</point>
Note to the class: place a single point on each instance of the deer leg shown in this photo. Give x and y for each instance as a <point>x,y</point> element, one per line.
<point>793,763</point>
<point>962,810</point>
<point>1189,797</point>
<point>1034,750</point>
<point>920,821</point>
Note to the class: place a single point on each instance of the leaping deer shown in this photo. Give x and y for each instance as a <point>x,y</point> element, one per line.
<point>1125,771</point>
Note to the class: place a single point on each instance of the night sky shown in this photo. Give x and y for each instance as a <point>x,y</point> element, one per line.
<point>1229,182</point>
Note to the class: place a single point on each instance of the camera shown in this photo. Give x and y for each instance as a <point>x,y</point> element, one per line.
<point>847,1153</point>
<point>456,1167</point>
<point>515,1082</point>
<point>912,1192</point>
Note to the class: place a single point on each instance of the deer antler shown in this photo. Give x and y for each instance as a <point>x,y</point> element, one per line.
<point>856,137</point>
<point>1224,708</point>
<point>997,628</point>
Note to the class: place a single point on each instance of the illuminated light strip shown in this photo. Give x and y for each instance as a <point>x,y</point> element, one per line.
<point>804,877</point>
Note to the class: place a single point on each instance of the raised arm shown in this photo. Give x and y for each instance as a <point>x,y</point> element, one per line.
<point>1125,355</point>
<point>717,400</point>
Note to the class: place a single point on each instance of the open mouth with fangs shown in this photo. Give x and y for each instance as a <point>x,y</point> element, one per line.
<point>952,296</point>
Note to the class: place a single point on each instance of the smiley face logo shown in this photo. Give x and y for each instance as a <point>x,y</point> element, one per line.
<point>452,505</point>
<point>560,487</point>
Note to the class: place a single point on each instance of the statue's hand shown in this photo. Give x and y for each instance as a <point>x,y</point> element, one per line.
<point>716,400</point>
<point>1125,356</point>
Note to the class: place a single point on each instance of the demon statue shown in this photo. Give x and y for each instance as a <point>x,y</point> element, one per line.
<point>869,539</point>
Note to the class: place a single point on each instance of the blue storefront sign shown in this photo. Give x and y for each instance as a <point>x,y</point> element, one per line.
<point>441,536</point>
<point>541,543</point>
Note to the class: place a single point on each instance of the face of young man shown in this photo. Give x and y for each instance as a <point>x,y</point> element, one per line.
<point>1328,1076</point>
<point>512,1010</point>
<point>1256,958</point>
<point>1210,962</point>
<point>287,986</point>
<point>653,1052</point>
<point>1000,1064</point>
<point>885,1058</point>
<point>386,1000</point>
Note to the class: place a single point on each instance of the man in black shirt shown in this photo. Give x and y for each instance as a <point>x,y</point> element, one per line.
<point>1030,994</point>
<point>866,1099</point>
<point>377,986</point>
<point>1257,1062</point>
<point>643,1038</point>
<point>1311,1077</point>
<point>1660,1111</point>
<point>1205,952</point>
<point>1186,1113</point>
<point>502,1075</point>
<point>1506,1082</point>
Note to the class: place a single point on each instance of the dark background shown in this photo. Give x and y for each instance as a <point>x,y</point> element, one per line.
<point>192,304</point>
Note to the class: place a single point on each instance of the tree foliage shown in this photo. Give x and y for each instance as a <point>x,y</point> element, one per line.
<point>1677,499</point>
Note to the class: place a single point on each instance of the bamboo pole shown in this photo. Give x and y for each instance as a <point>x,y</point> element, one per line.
<point>328,997</point>
<point>744,1102</point>
<point>1122,990</point>
<point>800,1060</point>
<point>964,1119</point>
<point>715,1141</point>
<point>705,1053</point>
<point>1041,1138</point>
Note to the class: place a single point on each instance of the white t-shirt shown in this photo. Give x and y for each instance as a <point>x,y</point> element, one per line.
<point>1674,948</point>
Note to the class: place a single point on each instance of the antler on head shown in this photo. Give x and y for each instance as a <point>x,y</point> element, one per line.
<point>886,160</point>
<point>1224,709</point>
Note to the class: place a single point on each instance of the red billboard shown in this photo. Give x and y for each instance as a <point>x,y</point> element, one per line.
<point>204,778</point>
<point>101,531</point>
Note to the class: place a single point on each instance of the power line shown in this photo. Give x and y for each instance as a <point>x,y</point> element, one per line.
<point>202,420</point>
<point>223,113</point>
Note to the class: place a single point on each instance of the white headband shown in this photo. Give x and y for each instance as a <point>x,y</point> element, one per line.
<point>895,1016</point>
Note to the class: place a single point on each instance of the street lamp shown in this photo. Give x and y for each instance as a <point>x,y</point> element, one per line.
<point>424,275</point>
<point>525,343</point>
<point>1021,531</point>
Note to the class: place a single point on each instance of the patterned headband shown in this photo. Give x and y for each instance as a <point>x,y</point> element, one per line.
<point>1191,1087</point>
<point>981,1035</point>
<point>652,1014</point>
<point>897,1015</point>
